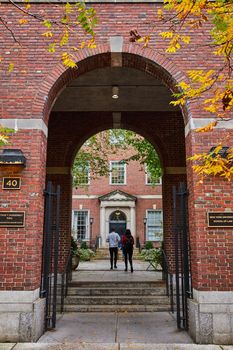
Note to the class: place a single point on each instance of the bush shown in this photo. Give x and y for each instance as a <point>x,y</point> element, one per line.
<point>83,245</point>
<point>148,245</point>
<point>85,254</point>
<point>74,246</point>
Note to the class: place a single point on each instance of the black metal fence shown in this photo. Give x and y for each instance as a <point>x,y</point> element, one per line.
<point>183,284</point>
<point>50,254</point>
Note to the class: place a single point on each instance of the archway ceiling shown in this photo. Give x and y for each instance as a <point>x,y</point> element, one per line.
<point>137,92</point>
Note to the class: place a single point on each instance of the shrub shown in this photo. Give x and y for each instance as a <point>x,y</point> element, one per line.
<point>85,254</point>
<point>148,245</point>
<point>74,246</point>
<point>83,245</point>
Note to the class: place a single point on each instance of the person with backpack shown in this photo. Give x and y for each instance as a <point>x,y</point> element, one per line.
<point>127,245</point>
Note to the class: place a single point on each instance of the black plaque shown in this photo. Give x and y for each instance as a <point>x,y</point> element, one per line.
<point>12,218</point>
<point>11,183</point>
<point>220,219</point>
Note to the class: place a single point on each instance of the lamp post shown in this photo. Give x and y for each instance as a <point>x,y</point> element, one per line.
<point>144,222</point>
<point>91,222</point>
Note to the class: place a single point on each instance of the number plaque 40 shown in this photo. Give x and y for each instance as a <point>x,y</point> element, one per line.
<point>11,183</point>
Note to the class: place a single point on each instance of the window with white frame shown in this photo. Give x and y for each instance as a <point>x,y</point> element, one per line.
<point>82,175</point>
<point>117,173</point>
<point>150,180</point>
<point>80,225</point>
<point>154,225</point>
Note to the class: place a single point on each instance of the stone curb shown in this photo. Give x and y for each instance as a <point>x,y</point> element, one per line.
<point>110,346</point>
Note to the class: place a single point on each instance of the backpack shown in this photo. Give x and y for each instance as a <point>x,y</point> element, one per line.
<point>128,244</point>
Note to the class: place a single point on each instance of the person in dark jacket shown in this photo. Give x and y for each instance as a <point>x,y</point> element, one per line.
<point>127,246</point>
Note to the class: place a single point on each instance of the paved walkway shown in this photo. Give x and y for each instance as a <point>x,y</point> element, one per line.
<point>115,331</point>
<point>99,270</point>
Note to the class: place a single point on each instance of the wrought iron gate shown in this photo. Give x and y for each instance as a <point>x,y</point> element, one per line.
<point>182,254</point>
<point>50,254</point>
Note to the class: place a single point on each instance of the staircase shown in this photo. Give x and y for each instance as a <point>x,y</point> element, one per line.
<point>114,296</point>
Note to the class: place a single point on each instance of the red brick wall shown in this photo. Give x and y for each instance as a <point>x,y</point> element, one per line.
<point>29,92</point>
<point>21,248</point>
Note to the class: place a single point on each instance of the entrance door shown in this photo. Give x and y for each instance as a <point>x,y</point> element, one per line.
<point>117,221</point>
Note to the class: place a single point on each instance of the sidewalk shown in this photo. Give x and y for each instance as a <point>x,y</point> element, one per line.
<point>111,346</point>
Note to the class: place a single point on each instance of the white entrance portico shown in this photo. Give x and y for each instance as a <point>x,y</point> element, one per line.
<point>110,202</point>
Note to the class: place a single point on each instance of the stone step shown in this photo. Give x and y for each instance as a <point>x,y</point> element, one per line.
<point>117,284</point>
<point>116,300</point>
<point>116,291</point>
<point>116,308</point>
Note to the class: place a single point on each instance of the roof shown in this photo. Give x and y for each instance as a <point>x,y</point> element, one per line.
<point>117,195</point>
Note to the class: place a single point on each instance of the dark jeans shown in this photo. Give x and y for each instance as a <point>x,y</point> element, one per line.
<point>113,253</point>
<point>128,256</point>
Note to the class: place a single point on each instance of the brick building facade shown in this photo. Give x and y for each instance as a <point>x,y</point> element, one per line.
<point>126,198</point>
<point>56,109</point>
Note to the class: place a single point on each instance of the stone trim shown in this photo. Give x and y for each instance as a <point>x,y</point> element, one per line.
<point>116,43</point>
<point>174,170</point>
<point>149,196</point>
<point>19,296</point>
<point>58,170</point>
<point>211,317</point>
<point>210,297</point>
<point>116,204</point>
<point>21,316</point>
<point>17,124</point>
<point>93,196</point>
<point>195,123</point>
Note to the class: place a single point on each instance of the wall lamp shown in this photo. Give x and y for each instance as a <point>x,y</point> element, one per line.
<point>115,92</point>
<point>144,222</point>
<point>12,158</point>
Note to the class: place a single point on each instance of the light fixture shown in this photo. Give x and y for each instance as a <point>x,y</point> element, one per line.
<point>91,222</point>
<point>12,157</point>
<point>144,222</point>
<point>115,92</point>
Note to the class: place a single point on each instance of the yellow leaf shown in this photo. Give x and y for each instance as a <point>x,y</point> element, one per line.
<point>47,34</point>
<point>207,127</point>
<point>10,67</point>
<point>23,21</point>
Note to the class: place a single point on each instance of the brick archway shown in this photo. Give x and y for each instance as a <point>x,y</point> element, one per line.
<point>133,56</point>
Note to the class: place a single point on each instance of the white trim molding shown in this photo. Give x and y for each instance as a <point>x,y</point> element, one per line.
<point>195,123</point>
<point>19,124</point>
<point>140,196</point>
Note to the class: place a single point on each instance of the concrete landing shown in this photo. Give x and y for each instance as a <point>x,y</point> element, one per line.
<point>110,346</point>
<point>139,327</point>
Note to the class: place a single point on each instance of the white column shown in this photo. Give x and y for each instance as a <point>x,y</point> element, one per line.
<point>133,222</point>
<point>102,227</point>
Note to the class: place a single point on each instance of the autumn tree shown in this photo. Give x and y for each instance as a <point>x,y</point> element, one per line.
<point>178,15</point>
<point>4,135</point>
<point>94,154</point>
<point>57,30</point>
<point>191,15</point>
